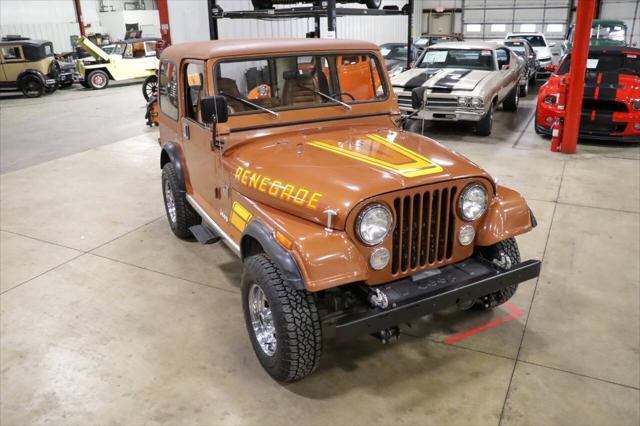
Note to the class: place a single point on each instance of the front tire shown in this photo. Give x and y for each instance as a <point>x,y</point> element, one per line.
<point>31,86</point>
<point>149,86</point>
<point>98,79</point>
<point>510,104</point>
<point>180,214</point>
<point>504,254</point>
<point>283,323</point>
<point>483,128</point>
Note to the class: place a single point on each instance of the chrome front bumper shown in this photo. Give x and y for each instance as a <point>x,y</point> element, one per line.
<point>439,113</point>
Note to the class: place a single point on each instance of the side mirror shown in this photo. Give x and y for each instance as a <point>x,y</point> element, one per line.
<point>417,97</point>
<point>213,109</point>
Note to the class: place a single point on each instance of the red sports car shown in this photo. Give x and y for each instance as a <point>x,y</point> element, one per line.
<point>611,104</point>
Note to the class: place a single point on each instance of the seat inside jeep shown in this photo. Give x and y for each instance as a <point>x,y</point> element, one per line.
<point>300,88</point>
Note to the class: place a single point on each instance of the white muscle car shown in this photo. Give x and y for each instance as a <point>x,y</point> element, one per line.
<point>461,81</point>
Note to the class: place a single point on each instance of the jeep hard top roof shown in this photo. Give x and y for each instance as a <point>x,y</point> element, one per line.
<point>223,48</point>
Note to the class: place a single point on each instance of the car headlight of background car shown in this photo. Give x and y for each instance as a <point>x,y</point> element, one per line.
<point>473,202</point>
<point>470,101</point>
<point>373,224</point>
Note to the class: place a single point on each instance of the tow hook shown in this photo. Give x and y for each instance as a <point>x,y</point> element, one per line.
<point>387,335</point>
<point>378,299</point>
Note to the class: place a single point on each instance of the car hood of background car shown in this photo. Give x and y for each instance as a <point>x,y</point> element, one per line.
<point>345,165</point>
<point>453,79</point>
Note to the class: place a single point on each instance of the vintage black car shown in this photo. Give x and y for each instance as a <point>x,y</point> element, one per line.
<point>28,65</point>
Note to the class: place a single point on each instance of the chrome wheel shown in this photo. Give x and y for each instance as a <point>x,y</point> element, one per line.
<point>262,320</point>
<point>170,202</point>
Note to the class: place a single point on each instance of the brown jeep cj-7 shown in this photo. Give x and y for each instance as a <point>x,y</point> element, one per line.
<point>293,153</point>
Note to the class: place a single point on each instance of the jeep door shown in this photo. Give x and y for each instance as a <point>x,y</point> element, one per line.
<point>202,161</point>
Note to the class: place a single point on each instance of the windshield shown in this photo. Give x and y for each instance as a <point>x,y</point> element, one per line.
<point>534,40</point>
<point>394,52</point>
<point>608,32</point>
<point>288,82</point>
<point>48,49</point>
<point>518,48</point>
<point>469,59</point>
<point>119,49</point>
<point>619,63</point>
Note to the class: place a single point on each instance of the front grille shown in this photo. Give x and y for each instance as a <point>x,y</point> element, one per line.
<point>404,100</point>
<point>604,128</point>
<point>601,105</point>
<point>442,102</point>
<point>423,235</point>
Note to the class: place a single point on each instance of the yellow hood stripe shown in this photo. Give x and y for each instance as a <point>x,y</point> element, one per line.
<point>418,166</point>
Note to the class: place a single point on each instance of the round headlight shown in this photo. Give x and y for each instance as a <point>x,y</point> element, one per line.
<point>473,202</point>
<point>373,224</point>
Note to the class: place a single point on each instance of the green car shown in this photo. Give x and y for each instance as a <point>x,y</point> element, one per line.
<point>604,32</point>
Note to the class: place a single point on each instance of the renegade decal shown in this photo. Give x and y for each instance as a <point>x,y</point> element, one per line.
<point>278,189</point>
<point>413,165</point>
<point>240,216</point>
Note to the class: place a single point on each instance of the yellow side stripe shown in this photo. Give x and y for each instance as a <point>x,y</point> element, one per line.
<point>239,216</point>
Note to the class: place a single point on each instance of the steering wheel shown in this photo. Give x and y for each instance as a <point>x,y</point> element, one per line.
<point>333,95</point>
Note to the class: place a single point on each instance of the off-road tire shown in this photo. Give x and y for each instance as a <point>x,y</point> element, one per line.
<point>524,89</point>
<point>31,86</point>
<point>98,79</point>
<point>296,320</point>
<point>185,215</point>
<point>510,103</point>
<point>149,85</point>
<point>483,127</point>
<point>498,252</point>
<point>373,4</point>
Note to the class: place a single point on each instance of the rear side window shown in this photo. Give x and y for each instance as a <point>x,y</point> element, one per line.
<point>168,88</point>
<point>11,53</point>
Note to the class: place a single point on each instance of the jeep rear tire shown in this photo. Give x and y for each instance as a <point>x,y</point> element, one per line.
<point>98,79</point>
<point>483,127</point>
<point>31,86</point>
<point>283,323</point>
<point>180,214</point>
<point>504,254</point>
<point>510,103</point>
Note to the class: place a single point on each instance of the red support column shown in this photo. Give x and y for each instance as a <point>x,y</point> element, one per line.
<point>575,91</point>
<point>165,32</point>
<point>79,16</point>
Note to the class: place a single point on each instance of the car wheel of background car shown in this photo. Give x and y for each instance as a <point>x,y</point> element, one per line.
<point>373,4</point>
<point>511,102</point>
<point>283,323</point>
<point>505,254</point>
<point>84,84</point>
<point>262,4</point>
<point>31,86</point>
<point>483,127</point>
<point>98,79</point>
<point>149,86</point>
<point>180,214</point>
<point>524,89</point>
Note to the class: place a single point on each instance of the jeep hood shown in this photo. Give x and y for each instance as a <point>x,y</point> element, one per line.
<point>452,79</point>
<point>307,173</point>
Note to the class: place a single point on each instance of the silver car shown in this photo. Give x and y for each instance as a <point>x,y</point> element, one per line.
<point>461,81</point>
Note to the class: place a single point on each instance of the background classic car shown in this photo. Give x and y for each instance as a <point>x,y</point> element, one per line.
<point>28,65</point>
<point>461,81</point>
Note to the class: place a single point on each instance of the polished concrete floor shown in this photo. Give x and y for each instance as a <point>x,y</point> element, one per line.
<point>106,318</point>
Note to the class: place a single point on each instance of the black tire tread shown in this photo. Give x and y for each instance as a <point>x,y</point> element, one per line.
<point>509,248</point>
<point>483,127</point>
<point>299,330</point>
<point>186,216</point>
<point>510,104</point>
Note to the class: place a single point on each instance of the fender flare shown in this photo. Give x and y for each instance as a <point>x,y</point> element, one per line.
<point>284,259</point>
<point>34,73</point>
<point>171,153</point>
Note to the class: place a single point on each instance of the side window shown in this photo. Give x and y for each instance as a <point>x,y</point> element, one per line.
<point>193,90</point>
<point>168,87</point>
<point>359,78</point>
<point>150,48</point>
<point>503,57</point>
<point>12,53</point>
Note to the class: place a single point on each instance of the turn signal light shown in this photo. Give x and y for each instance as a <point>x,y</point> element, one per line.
<point>283,241</point>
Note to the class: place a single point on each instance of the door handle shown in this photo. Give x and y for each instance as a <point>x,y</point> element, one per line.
<point>185,130</point>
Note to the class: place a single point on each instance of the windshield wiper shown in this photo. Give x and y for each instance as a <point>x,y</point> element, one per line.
<point>347,106</point>
<point>244,101</point>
